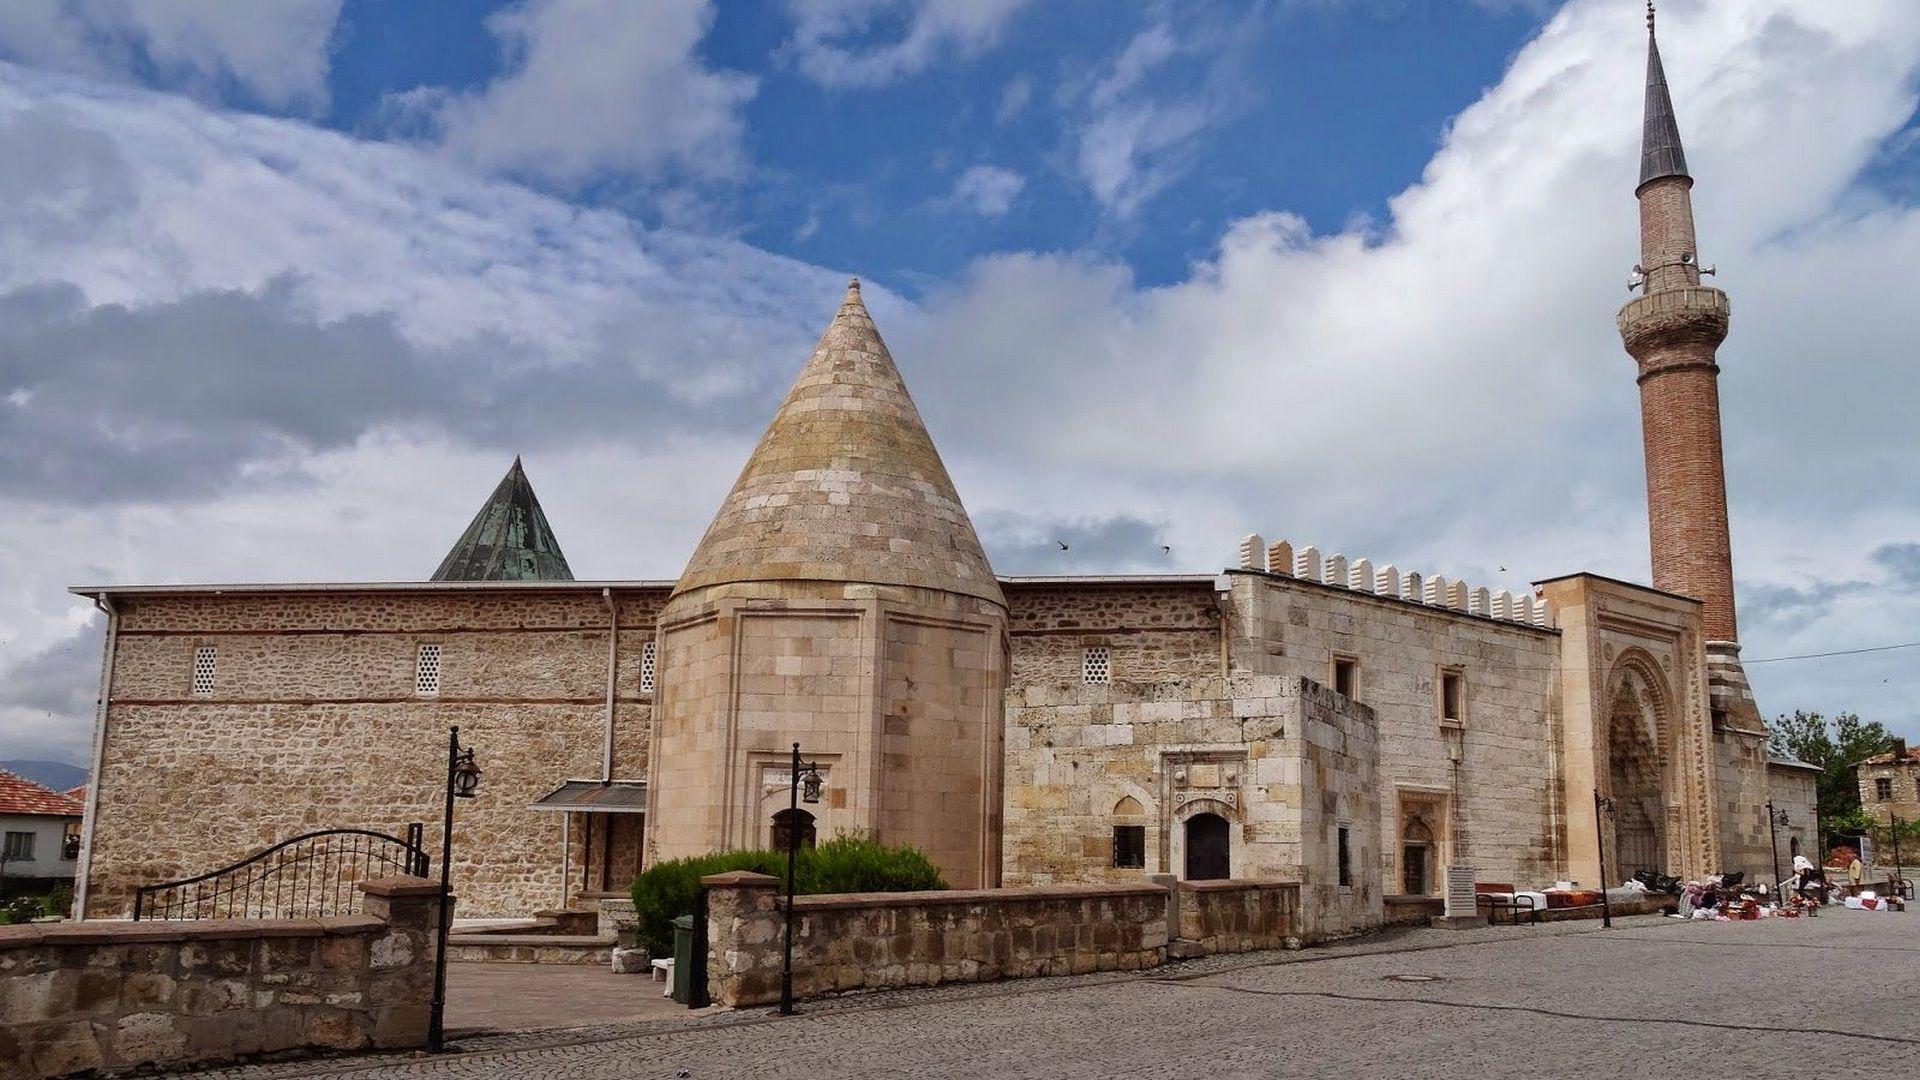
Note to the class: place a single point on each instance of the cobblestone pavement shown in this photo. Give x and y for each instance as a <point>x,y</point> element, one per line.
<point>1651,997</point>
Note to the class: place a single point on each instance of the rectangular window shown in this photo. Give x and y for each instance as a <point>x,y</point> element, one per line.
<point>19,845</point>
<point>1346,677</point>
<point>1453,696</point>
<point>646,668</point>
<point>426,671</point>
<point>1883,788</point>
<point>203,662</point>
<point>1096,666</point>
<point>1346,861</point>
<point>1130,846</point>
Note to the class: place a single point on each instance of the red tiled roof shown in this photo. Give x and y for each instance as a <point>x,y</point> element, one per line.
<point>78,794</point>
<point>19,795</point>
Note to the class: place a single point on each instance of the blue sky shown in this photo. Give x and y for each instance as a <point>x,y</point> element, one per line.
<point>285,285</point>
<point>1325,110</point>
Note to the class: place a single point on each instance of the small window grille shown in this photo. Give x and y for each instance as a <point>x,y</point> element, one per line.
<point>1130,846</point>
<point>1096,666</point>
<point>646,668</point>
<point>203,661</point>
<point>1883,788</point>
<point>426,671</point>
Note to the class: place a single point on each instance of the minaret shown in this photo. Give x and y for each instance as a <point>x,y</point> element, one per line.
<point>1672,330</point>
<point>841,600</point>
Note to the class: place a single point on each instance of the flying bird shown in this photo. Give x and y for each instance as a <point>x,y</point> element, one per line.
<point>1062,543</point>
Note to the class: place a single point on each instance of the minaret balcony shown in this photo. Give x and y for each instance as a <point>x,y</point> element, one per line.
<point>1694,317</point>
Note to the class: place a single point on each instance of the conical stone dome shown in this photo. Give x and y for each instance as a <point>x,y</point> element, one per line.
<point>846,484</point>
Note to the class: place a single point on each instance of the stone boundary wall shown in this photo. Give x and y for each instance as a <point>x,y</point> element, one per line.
<point>1239,916</point>
<point>876,941</point>
<point>107,996</point>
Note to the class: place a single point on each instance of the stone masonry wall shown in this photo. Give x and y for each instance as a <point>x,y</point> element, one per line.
<point>1239,916</point>
<point>77,997</point>
<point>1153,632</point>
<point>1903,784</point>
<point>1796,790</point>
<point>1495,808</point>
<point>1742,785</point>
<point>313,722</point>
<point>1286,762</point>
<point>871,941</point>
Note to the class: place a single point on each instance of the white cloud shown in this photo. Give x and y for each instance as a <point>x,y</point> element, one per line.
<point>594,87</point>
<point>832,38</point>
<point>276,50</point>
<point>1135,140</point>
<point>1015,96</point>
<point>238,272</point>
<point>988,190</point>
<point>1447,390</point>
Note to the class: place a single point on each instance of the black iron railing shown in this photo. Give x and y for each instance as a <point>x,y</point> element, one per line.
<point>307,876</point>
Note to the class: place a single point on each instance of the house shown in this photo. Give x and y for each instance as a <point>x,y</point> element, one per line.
<point>40,828</point>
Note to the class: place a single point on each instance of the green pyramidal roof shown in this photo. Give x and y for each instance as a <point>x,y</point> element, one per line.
<point>509,539</point>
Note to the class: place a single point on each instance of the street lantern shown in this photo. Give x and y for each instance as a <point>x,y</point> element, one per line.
<point>803,782</point>
<point>462,782</point>
<point>1776,819</point>
<point>466,776</point>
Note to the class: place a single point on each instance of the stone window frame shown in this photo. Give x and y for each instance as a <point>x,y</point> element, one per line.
<point>1343,855</point>
<point>1883,788</point>
<point>1442,673</point>
<point>206,664</point>
<point>649,665</point>
<point>1136,848</point>
<point>429,663</point>
<point>1338,660</point>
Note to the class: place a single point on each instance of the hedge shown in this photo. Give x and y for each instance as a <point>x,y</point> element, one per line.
<point>841,865</point>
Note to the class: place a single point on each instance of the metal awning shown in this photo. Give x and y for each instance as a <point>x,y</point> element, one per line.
<point>597,797</point>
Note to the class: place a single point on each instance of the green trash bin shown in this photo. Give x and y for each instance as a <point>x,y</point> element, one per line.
<point>683,959</point>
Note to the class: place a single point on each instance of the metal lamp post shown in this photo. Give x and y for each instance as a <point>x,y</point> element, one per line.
<point>1775,818</point>
<point>1602,806</point>
<point>799,788</point>
<point>463,782</point>
<point>1893,827</point>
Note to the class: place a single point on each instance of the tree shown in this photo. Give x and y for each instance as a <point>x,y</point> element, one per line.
<point>1836,746</point>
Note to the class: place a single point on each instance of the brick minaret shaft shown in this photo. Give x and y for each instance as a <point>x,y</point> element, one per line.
<point>1672,331</point>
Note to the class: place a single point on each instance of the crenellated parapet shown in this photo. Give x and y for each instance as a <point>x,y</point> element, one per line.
<point>1305,562</point>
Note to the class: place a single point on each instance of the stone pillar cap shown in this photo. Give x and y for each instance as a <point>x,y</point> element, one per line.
<point>741,879</point>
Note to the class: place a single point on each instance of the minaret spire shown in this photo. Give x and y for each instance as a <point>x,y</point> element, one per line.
<point>1660,150</point>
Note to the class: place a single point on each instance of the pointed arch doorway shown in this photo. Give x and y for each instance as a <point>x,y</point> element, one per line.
<point>1639,828</point>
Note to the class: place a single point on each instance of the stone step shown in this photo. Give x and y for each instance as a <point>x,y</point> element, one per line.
<point>530,948</point>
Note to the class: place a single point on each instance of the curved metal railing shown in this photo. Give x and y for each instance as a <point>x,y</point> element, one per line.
<point>310,875</point>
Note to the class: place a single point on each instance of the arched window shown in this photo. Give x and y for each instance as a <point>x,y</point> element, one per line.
<point>784,824</point>
<point>1209,852</point>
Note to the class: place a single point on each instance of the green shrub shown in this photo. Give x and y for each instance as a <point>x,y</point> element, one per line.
<point>844,864</point>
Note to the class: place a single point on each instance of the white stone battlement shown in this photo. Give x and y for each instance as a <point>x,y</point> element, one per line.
<point>1284,559</point>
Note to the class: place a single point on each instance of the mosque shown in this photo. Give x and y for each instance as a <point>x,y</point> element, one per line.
<point>1364,729</point>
